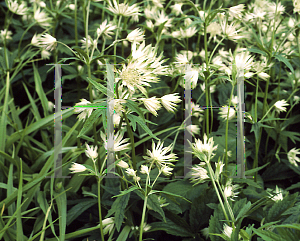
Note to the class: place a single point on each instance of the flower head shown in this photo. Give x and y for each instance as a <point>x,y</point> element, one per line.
<point>278,194</point>
<point>85,112</point>
<point>122,164</point>
<point>132,173</point>
<point>5,35</point>
<point>45,41</point>
<point>145,169</point>
<point>223,113</point>
<point>229,190</point>
<point>152,104</point>
<point>91,152</point>
<point>166,170</point>
<point>118,143</point>
<point>20,9</point>
<point>108,225</point>
<point>199,174</point>
<point>135,35</point>
<point>292,156</point>
<point>168,101</point>
<point>279,105</point>
<point>158,155</point>
<point>75,168</point>
<point>227,230</point>
<point>42,18</point>
<point>123,9</point>
<point>206,147</point>
<point>106,29</point>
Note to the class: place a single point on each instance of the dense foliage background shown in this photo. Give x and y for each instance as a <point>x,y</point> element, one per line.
<point>156,48</point>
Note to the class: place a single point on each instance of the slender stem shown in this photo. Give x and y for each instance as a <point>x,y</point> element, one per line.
<point>226,134</point>
<point>99,207</point>
<point>117,32</point>
<point>143,218</point>
<point>130,133</point>
<point>216,189</point>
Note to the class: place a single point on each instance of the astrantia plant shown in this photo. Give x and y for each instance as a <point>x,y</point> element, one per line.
<point>122,150</point>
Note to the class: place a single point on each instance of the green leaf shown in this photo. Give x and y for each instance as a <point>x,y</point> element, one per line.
<point>39,90</point>
<point>280,206</point>
<point>257,51</point>
<point>247,181</point>
<point>98,86</point>
<point>132,188</point>
<point>79,208</point>
<point>118,208</point>
<point>170,194</point>
<point>267,235</point>
<point>285,61</point>
<point>82,55</point>
<point>61,201</point>
<point>139,120</point>
<point>252,171</point>
<point>124,234</point>
<point>134,107</point>
<point>90,121</point>
<point>153,203</point>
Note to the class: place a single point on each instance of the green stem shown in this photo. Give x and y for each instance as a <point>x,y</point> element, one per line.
<point>226,134</point>
<point>217,191</point>
<point>115,45</point>
<point>130,133</point>
<point>99,207</point>
<point>143,218</point>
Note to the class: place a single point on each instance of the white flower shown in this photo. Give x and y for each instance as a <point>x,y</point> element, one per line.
<point>278,194</point>
<point>45,41</point>
<point>45,54</point>
<point>219,168</point>
<point>199,174</point>
<point>243,62</point>
<point>160,17</point>
<point>193,129</point>
<point>106,29</point>
<point>88,43</point>
<point>144,169</point>
<point>296,6</point>
<point>205,232</point>
<point>227,230</point>
<point>168,101</point>
<point>119,144</point>
<point>91,152</point>
<point>152,104</point>
<point>135,35</point>
<point>108,225</point>
<point>166,170</point>
<point>5,34</point>
<point>16,8</point>
<point>158,155</point>
<point>122,164</point>
<point>229,190</point>
<point>279,105</point>
<point>85,112</point>
<point>176,8</point>
<point>146,227</point>
<point>50,106</point>
<point>42,18</point>
<point>193,76</point>
<point>205,147</point>
<point>223,113</point>
<point>77,168</point>
<point>123,9</point>
<point>293,159</point>
<point>236,11</point>
<point>132,173</point>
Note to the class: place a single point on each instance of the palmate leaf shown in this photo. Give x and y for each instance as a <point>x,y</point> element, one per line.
<point>118,208</point>
<point>267,235</point>
<point>90,121</point>
<point>140,121</point>
<point>154,204</point>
